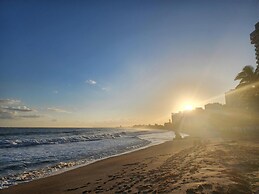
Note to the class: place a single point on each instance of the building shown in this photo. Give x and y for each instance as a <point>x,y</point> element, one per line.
<point>213,106</point>
<point>254,37</point>
<point>243,98</point>
<point>168,125</point>
<point>232,99</point>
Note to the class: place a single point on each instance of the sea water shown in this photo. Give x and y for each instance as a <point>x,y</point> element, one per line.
<point>32,153</point>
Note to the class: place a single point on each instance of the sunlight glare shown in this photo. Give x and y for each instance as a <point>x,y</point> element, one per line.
<point>188,107</point>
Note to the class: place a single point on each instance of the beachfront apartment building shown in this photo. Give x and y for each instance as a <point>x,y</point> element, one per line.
<point>254,37</point>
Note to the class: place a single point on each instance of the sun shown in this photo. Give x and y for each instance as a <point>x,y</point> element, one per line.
<point>187,104</point>
<point>188,107</point>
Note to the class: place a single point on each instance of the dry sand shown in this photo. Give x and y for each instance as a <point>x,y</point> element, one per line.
<point>181,166</point>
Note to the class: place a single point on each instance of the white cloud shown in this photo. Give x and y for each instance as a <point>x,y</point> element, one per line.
<point>9,101</point>
<point>98,85</point>
<point>6,115</point>
<point>91,82</point>
<point>10,109</point>
<point>106,89</point>
<point>29,116</point>
<point>17,108</point>
<point>59,110</point>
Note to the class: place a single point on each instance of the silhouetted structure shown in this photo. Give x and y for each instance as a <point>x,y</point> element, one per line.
<point>168,125</point>
<point>199,121</point>
<point>245,96</point>
<point>254,37</point>
<point>238,117</point>
<point>217,119</point>
<point>213,106</point>
<point>234,99</point>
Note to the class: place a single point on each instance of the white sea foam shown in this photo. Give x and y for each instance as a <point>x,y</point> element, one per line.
<point>29,154</point>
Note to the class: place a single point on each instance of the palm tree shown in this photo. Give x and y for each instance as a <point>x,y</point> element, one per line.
<point>248,76</point>
<point>249,86</point>
<point>257,69</point>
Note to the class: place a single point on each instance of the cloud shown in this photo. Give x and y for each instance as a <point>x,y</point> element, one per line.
<point>17,108</point>
<point>94,83</point>
<point>29,116</point>
<point>6,114</point>
<point>9,101</point>
<point>106,89</point>
<point>10,109</point>
<point>13,115</point>
<point>91,82</point>
<point>55,92</point>
<point>59,110</point>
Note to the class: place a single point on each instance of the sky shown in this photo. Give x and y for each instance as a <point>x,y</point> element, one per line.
<point>111,63</point>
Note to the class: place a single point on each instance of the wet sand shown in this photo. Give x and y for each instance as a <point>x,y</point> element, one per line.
<point>187,166</point>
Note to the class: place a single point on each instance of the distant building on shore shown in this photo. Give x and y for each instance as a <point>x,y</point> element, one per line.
<point>254,37</point>
<point>168,125</point>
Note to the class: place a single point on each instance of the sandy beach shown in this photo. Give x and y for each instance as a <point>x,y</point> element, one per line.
<point>188,166</point>
<point>129,97</point>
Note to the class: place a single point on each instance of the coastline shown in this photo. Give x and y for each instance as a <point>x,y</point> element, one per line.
<point>190,165</point>
<point>119,160</point>
<point>155,138</point>
<point>105,158</point>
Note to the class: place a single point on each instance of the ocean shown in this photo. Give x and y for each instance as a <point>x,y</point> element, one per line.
<point>32,153</point>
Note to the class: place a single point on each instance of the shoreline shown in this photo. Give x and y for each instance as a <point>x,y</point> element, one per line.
<point>68,166</point>
<point>16,188</point>
<point>190,165</point>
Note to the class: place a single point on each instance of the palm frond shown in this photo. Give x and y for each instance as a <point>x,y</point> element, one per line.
<point>241,75</point>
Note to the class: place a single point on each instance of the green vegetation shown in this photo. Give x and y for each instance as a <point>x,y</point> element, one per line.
<point>248,76</point>
<point>248,87</point>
